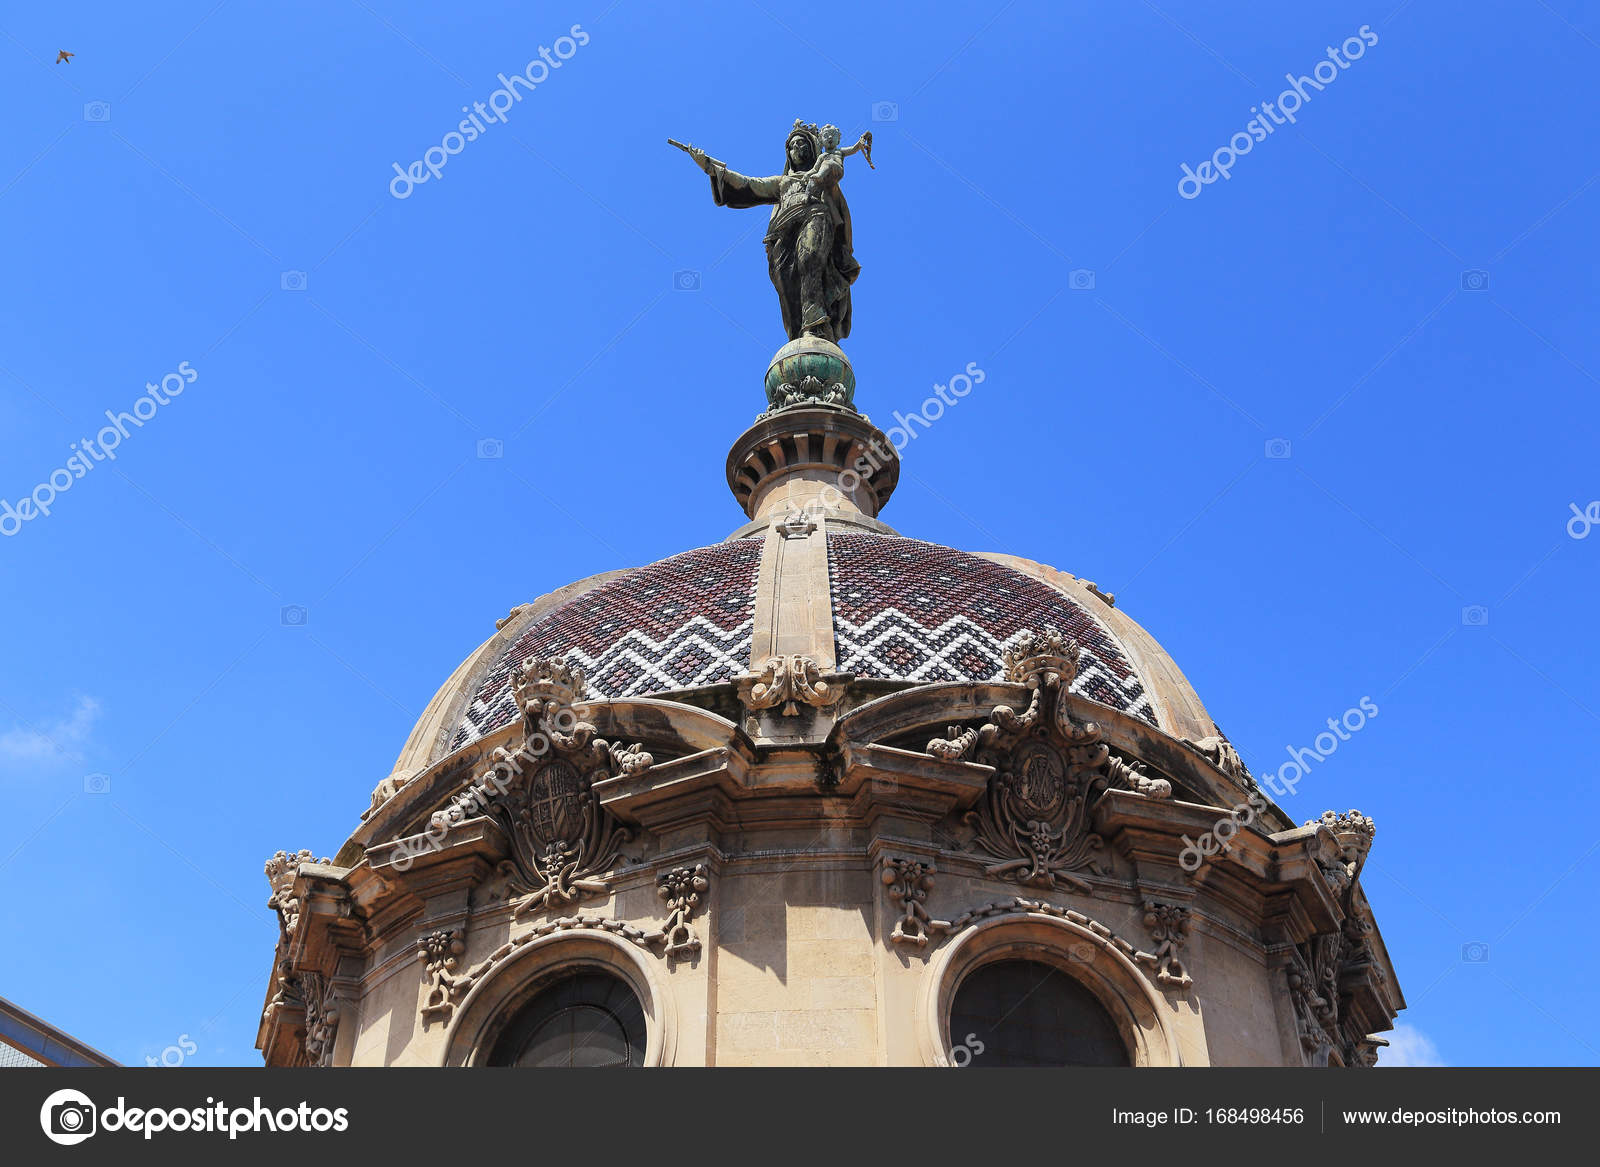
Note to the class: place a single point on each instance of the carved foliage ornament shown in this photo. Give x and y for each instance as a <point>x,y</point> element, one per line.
<point>280,871</point>
<point>440,953</point>
<point>1351,833</point>
<point>1034,817</point>
<point>1169,928</point>
<point>542,795</point>
<point>322,1017</point>
<point>683,889</point>
<point>909,881</point>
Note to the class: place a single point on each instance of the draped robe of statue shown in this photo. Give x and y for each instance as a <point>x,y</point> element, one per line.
<point>810,256</point>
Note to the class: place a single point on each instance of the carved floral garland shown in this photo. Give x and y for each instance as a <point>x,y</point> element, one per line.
<point>910,880</point>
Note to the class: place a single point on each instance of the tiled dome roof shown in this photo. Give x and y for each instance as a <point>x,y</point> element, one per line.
<point>915,611</point>
<point>902,610</point>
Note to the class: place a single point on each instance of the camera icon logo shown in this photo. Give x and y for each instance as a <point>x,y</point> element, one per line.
<point>293,616</point>
<point>68,1117</point>
<point>1475,952</point>
<point>292,281</point>
<point>1081,952</point>
<point>97,111</point>
<point>886,111</point>
<point>1475,281</point>
<point>1475,616</point>
<point>491,448</point>
<point>97,783</point>
<point>1081,280</point>
<point>1279,448</point>
<point>686,281</point>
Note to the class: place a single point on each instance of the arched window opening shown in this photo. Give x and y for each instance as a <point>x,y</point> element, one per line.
<point>585,1019</point>
<point>1025,1013</point>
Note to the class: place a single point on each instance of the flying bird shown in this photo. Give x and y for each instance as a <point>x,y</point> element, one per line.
<point>63,55</point>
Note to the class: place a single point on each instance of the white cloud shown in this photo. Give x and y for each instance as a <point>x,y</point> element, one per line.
<point>1409,1046</point>
<point>62,740</point>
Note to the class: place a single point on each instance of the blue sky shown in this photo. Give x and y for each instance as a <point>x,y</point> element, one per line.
<point>208,183</point>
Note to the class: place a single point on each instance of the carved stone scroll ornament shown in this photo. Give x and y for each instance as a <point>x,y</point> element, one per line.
<point>440,952</point>
<point>909,881</point>
<point>683,889</point>
<point>1219,751</point>
<point>788,681</point>
<point>1169,928</point>
<point>1034,816</point>
<point>797,524</point>
<point>541,792</point>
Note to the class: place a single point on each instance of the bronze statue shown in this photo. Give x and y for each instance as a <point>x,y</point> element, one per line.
<point>810,257</point>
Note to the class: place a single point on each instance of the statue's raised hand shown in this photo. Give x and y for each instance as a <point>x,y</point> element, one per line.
<point>701,159</point>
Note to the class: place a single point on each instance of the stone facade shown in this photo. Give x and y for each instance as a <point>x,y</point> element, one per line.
<point>787,862</point>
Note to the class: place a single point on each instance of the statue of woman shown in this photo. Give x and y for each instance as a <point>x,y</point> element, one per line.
<point>809,252</point>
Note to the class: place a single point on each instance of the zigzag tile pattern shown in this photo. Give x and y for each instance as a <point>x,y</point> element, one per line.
<point>917,611</point>
<point>681,622</point>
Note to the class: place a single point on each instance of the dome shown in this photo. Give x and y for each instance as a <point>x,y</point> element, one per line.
<point>903,611</point>
<point>774,799</point>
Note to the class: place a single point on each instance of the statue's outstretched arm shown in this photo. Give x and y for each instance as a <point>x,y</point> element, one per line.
<point>746,190</point>
<point>701,159</point>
